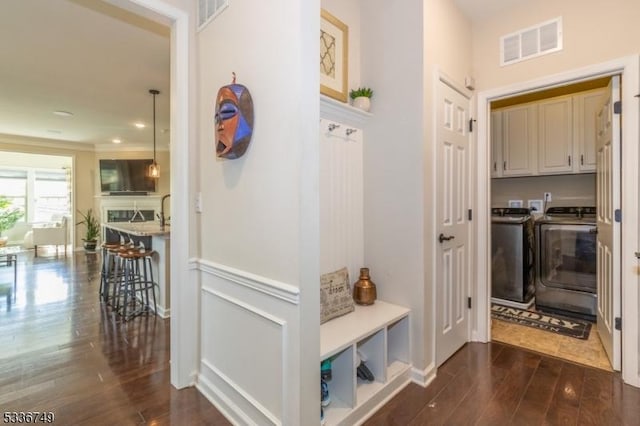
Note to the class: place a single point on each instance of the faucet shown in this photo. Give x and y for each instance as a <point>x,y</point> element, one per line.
<point>163,219</point>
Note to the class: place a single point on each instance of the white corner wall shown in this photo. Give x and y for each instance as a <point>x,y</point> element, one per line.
<point>394,164</point>
<point>259,251</point>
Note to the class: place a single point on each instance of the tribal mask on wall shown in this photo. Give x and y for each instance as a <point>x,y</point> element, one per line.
<point>234,120</point>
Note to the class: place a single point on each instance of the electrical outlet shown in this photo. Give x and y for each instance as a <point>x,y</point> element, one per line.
<point>547,196</point>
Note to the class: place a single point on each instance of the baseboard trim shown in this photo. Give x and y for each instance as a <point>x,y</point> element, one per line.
<point>423,377</point>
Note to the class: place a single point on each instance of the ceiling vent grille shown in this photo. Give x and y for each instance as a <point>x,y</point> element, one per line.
<point>531,42</point>
<point>208,10</point>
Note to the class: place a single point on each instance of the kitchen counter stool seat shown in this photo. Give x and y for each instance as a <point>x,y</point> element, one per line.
<point>137,286</point>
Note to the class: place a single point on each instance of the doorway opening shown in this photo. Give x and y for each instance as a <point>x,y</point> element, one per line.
<point>629,69</point>
<point>41,188</point>
<point>543,224</point>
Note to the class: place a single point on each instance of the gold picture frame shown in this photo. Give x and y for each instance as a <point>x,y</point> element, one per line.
<point>334,53</point>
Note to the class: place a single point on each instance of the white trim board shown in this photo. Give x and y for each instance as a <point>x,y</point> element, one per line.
<point>184,293</point>
<point>629,68</point>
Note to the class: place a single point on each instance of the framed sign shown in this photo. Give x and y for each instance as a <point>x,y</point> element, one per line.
<point>334,50</point>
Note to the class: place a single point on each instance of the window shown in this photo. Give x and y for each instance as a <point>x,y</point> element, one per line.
<point>14,187</point>
<point>43,194</point>
<point>50,195</point>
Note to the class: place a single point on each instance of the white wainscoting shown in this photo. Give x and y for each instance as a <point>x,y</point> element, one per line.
<point>247,366</point>
<point>341,198</point>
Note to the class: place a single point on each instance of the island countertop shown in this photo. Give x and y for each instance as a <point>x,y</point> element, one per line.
<point>140,229</point>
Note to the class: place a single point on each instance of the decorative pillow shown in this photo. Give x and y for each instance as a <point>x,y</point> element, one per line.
<point>335,295</point>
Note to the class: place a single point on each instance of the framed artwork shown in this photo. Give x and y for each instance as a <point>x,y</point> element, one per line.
<point>334,50</point>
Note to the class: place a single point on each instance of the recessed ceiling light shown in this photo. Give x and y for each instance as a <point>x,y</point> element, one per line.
<point>116,140</point>
<point>139,125</point>
<point>63,113</point>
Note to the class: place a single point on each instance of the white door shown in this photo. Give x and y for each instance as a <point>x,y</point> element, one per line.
<point>452,230</point>
<point>608,200</point>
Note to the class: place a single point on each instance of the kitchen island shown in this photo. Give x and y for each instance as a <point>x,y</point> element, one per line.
<point>155,237</point>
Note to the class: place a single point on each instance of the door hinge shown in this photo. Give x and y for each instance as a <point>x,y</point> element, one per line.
<point>469,302</point>
<point>617,107</point>
<point>617,215</point>
<point>470,214</point>
<point>617,323</point>
<point>471,120</point>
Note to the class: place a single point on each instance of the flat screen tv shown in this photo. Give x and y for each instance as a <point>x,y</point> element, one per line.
<point>125,176</point>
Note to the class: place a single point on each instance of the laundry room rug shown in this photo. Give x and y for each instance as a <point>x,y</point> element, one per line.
<point>565,326</point>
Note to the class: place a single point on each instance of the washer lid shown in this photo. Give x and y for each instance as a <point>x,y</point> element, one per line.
<point>510,211</point>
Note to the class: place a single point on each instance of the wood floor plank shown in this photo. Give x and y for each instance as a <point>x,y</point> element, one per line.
<point>565,399</point>
<point>537,398</point>
<point>504,403</point>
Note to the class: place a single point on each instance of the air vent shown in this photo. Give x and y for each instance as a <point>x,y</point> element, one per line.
<point>208,10</point>
<point>531,42</point>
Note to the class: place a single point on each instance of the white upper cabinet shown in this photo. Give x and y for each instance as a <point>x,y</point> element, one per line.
<point>519,133</point>
<point>584,129</point>
<point>555,136</point>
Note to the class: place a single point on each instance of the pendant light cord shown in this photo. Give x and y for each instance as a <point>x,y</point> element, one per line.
<point>154,92</point>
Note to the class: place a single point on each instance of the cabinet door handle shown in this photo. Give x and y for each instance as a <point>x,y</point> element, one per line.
<point>495,167</point>
<point>442,238</point>
<point>504,165</point>
<point>582,159</point>
<point>569,160</point>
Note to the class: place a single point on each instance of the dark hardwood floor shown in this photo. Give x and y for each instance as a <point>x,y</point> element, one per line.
<point>498,384</point>
<point>62,351</point>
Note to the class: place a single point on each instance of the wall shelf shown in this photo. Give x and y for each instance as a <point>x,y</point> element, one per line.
<point>342,112</point>
<point>380,332</point>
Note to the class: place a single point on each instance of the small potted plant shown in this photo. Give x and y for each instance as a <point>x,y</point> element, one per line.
<point>361,98</point>
<point>8,217</point>
<point>92,229</point>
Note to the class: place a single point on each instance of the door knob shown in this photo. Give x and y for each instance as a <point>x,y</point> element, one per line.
<point>442,238</point>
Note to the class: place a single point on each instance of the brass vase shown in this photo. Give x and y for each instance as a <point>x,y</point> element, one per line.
<point>364,290</point>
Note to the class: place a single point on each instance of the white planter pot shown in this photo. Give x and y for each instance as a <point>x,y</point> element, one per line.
<point>362,102</point>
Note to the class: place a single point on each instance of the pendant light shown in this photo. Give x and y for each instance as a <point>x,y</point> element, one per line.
<point>154,169</point>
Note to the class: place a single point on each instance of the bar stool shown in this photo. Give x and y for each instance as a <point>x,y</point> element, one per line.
<point>137,283</point>
<point>108,265</point>
<point>117,276</point>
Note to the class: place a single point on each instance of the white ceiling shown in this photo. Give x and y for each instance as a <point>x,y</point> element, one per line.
<point>88,58</point>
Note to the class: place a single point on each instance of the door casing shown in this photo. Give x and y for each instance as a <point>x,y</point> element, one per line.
<point>629,68</point>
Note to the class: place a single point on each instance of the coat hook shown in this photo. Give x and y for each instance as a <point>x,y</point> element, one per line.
<point>350,131</point>
<point>332,127</point>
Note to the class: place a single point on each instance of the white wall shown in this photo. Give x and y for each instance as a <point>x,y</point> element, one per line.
<point>594,31</point>
<point>392,62</point>
<point>259,226</point>
<point>566,190</point>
